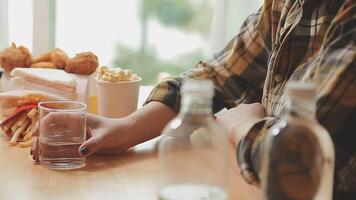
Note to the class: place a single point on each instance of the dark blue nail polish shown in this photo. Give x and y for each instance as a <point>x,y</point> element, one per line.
<point>84,150</point>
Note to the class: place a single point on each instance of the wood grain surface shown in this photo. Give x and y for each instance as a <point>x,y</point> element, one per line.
<point>132,175</point>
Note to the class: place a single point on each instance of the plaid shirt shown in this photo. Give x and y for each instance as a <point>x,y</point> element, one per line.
<point>304,40</point>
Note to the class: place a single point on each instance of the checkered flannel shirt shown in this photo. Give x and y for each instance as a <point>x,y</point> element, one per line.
<point>304,40</point>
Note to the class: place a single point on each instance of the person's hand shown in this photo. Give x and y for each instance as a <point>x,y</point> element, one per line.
<point>237,121</point>
<point>53,125</point>
<point>112,136</point>
<point>106,136</point>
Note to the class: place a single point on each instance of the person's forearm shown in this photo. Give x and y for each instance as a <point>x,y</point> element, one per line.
<point>149,121</point>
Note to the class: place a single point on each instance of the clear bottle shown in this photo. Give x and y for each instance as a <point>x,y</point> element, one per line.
<point>299,159</point>
<point>194,151</point>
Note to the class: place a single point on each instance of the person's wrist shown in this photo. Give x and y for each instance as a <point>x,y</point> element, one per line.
<point>241,130</point>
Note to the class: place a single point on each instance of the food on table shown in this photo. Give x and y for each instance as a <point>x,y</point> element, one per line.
<point>53,81</point>
<point>49,65</point>
<point>16,98</point>
<point>83,63</point>
<point>20,124</point>
<point>56,59</point>
<point>46,80</point>
<point>51,78</point>
<point>46,57</point>
<point>20,57</point>
<point>59,58</point>
<point>115,74</point>
<point>13,57</point>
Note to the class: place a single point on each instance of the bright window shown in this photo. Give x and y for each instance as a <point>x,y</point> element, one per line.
<point>148,36</point>
<point>20,22</point>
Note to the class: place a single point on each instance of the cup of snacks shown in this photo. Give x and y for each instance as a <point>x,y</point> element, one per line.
<point>117,91</point>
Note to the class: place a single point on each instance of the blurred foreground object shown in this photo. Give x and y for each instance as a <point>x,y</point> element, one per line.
<point>299,159</point>
<point>194,152</point>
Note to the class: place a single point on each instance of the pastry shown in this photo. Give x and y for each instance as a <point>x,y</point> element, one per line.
<point>13,57</point>
<point>84,63</point>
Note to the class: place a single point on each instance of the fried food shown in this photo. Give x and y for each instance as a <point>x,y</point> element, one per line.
<point>18,132</point>
<point>13,57</point>
<point>21,126</point>
<point>57,57</point>
<point>43,58</point>
<point>26,144</point>
<point>49,65</point>
<point>83,63</point>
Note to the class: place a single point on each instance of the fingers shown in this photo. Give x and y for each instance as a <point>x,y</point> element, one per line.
<point>90,146</point>
<point>52,121</point>
<point>91,118</point>
<point>93,121</point>
<point>35,150</point>
<point>88,133</point>
<point>258,109</point>
<point>63,123</point>
<point>62,118</point>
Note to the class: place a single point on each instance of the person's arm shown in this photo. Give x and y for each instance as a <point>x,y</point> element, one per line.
<point>149,121</point>
<point>238,72</point>
<point>334,72</point>
<point>111,136</point>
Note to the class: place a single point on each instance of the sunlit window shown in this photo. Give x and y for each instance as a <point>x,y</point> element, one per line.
<point>148,36</point>
<point>20,22</point>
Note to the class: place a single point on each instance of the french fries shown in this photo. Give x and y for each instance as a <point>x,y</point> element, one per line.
<point>8,125</point>
<point>26,144</point>
<point>18,132</point>
<point>21,127</point>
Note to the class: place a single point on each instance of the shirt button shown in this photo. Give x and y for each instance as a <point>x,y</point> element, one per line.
<point>278,78</point>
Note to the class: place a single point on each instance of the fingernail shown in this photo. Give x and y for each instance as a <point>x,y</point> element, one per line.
<point>84,150</point>
<point>31,152</point>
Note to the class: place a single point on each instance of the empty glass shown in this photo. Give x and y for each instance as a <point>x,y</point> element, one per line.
<point>62,131</point>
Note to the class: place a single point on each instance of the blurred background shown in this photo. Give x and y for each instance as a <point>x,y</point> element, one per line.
<point>147,36</point>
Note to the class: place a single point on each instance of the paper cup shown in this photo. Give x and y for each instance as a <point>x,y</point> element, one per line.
<point>117,99</point>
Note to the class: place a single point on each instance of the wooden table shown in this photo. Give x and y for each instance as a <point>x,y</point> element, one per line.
<point>130,176</point>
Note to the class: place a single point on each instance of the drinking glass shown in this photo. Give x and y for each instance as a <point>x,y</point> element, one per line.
<point>62,131</point>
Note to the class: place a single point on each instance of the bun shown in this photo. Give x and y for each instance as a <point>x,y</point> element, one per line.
<point>16,98</point>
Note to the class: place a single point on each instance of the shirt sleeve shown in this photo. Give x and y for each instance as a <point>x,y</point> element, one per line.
<point>334,72</point>
<point>238,71</point>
